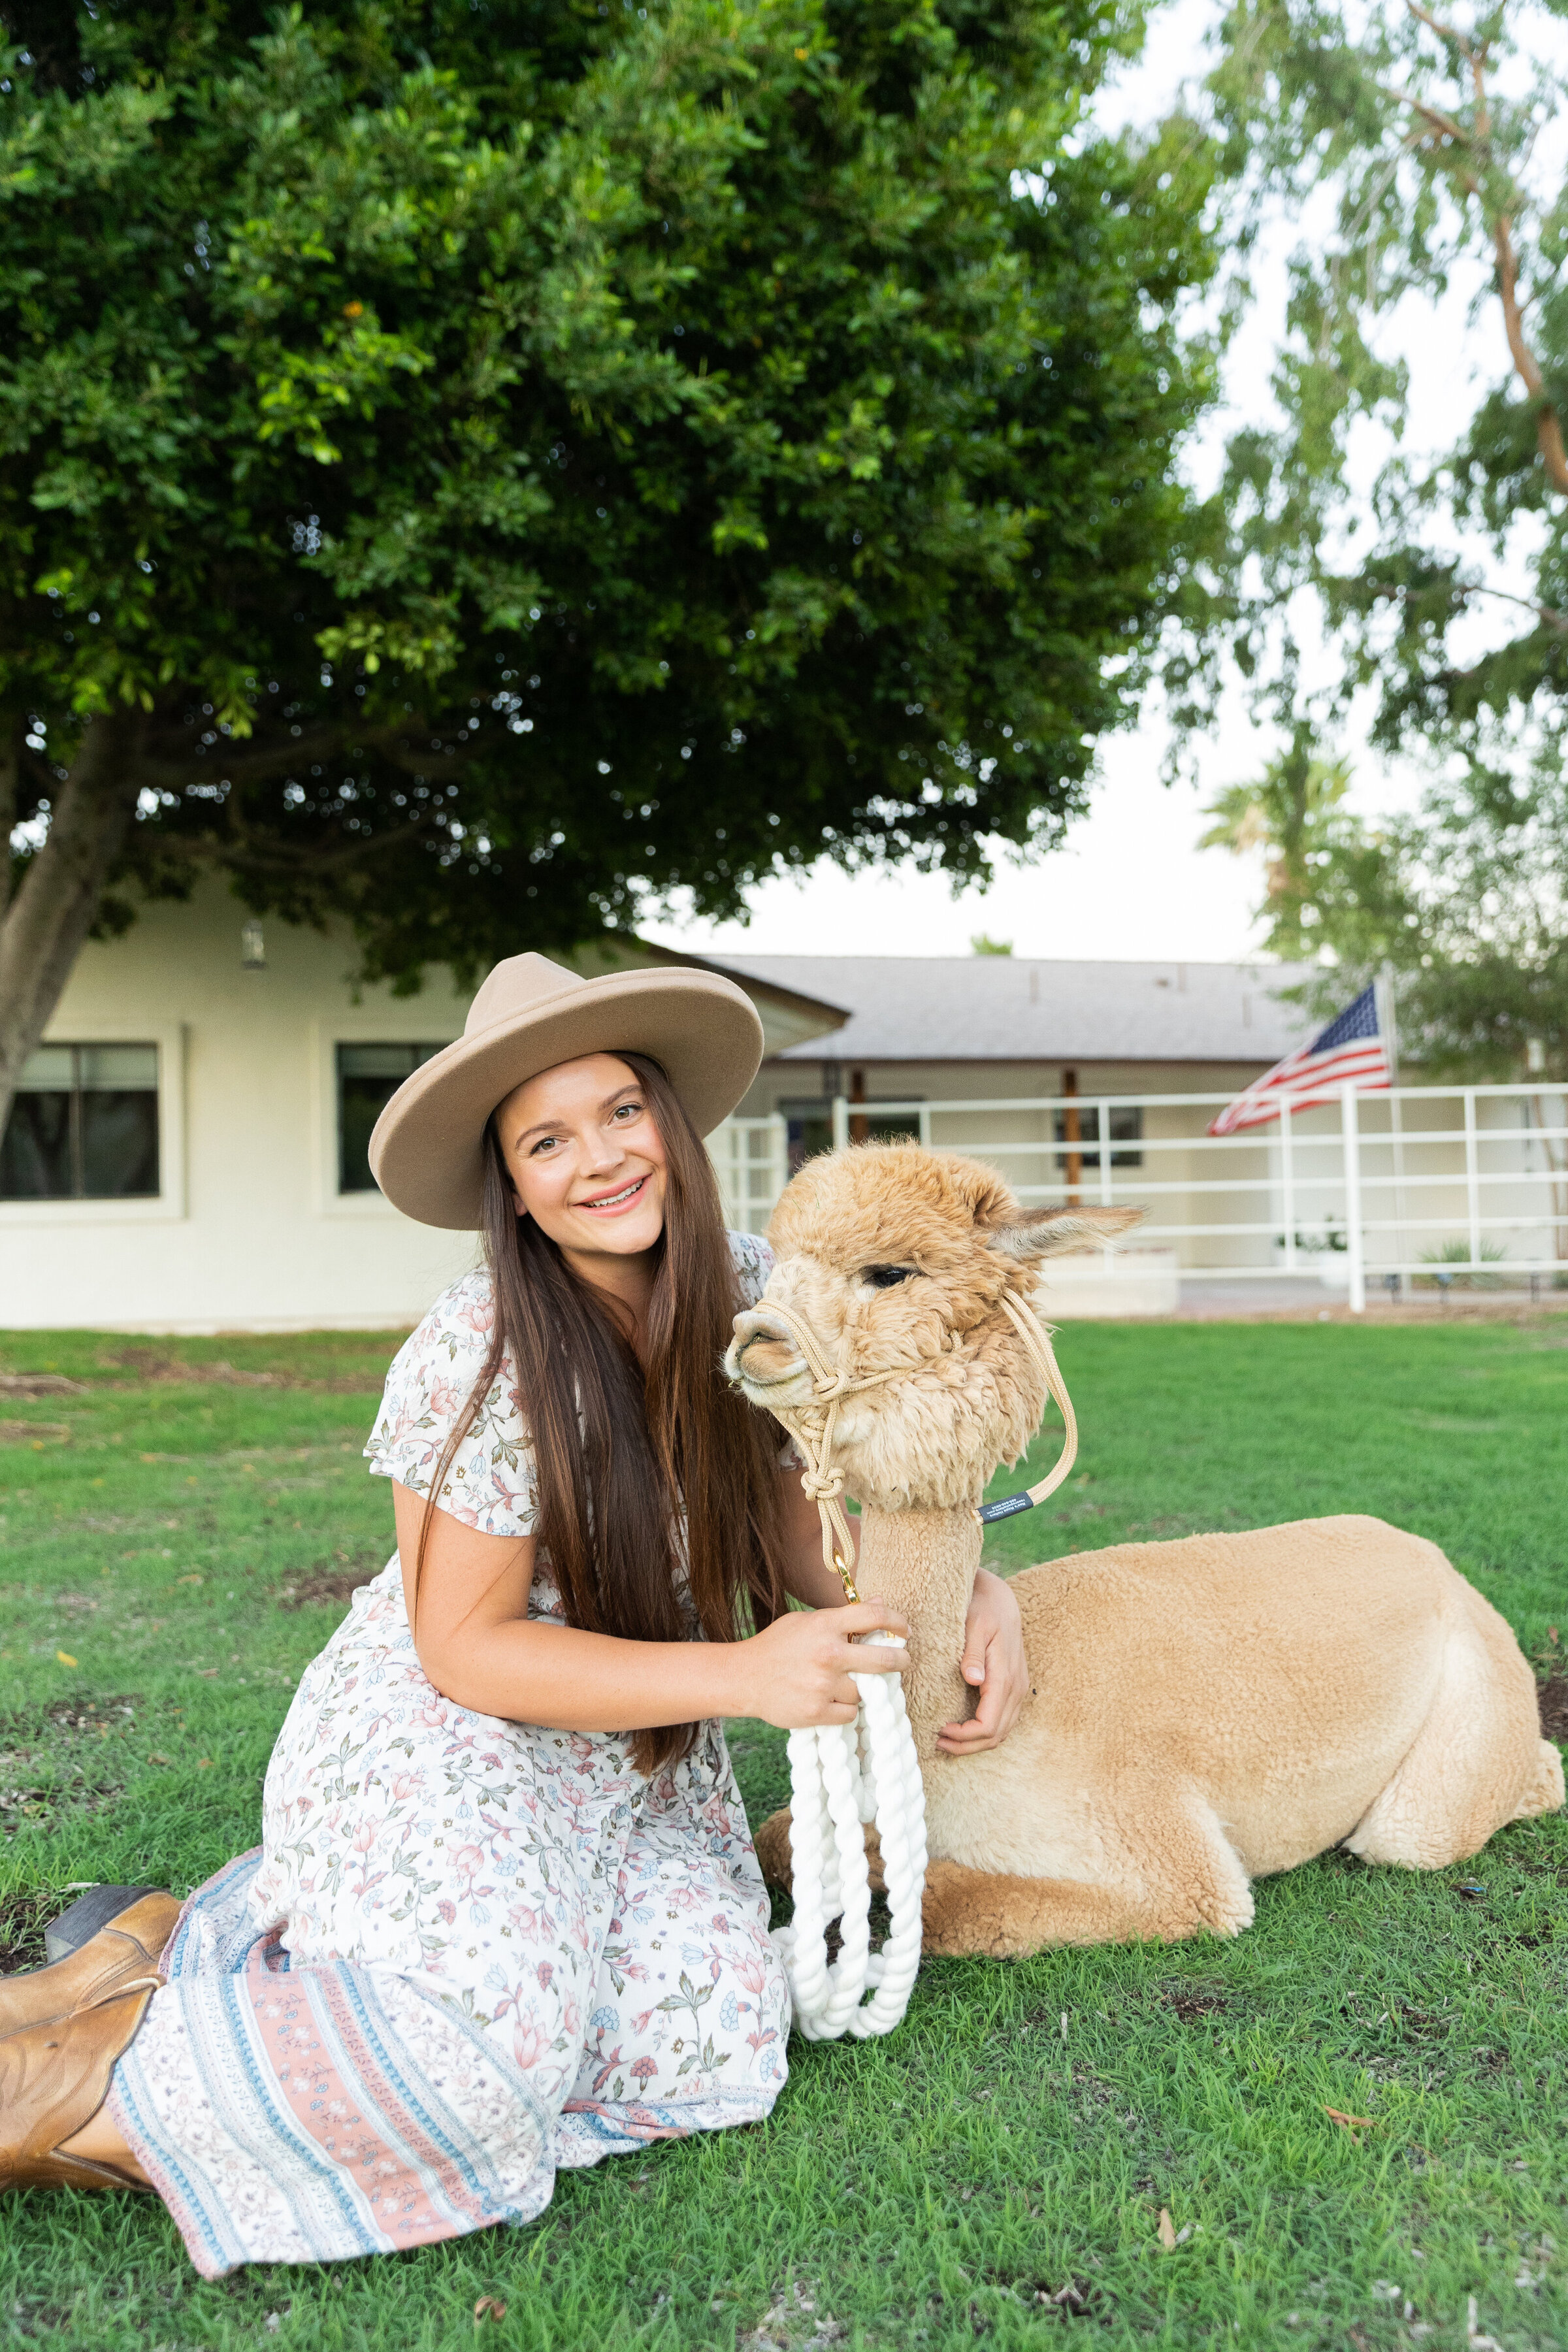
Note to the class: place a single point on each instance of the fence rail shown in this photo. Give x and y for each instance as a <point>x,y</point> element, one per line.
<point>1423,1184</point>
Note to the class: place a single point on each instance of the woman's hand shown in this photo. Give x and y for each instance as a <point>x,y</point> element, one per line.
<point>795,1672</point>
<point>993,1658</point>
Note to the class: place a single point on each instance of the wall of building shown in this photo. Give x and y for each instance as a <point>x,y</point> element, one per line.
<point>250,1230</point>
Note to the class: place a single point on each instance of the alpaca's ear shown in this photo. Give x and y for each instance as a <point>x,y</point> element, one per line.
<point>1040,1233</point>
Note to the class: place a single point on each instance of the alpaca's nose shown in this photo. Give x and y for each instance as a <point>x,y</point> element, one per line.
<point>762,1353</point>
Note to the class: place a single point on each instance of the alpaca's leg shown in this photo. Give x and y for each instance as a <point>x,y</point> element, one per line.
<point>978,1913</point>
<point>1180,1877</point>
<point>773,1849</point>
<point>1478,1759</point>
<point>778,1868</point>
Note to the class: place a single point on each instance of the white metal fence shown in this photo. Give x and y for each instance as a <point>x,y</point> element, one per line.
<point>1425,1184</point>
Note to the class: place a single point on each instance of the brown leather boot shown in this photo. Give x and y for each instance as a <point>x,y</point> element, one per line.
<point>128,1950</point>
<point>53,2079</point>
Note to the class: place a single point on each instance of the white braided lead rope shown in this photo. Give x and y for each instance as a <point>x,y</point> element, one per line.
<point>841,1776</point>
<point>830,1796</point>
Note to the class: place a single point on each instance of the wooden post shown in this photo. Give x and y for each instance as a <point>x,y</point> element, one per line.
<point>859,1132</point>
<point>1072,1135</point>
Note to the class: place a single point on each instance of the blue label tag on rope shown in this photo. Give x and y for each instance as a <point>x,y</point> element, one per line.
<point>1008,1508</point>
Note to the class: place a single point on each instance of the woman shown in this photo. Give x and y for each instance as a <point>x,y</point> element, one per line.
<point>506,1915</point>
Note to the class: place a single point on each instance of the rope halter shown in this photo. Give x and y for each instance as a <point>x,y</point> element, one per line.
<point>813,1425</point>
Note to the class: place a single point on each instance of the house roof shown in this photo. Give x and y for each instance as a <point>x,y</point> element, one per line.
<point>789,1014</point>
<point>1027,1009</point>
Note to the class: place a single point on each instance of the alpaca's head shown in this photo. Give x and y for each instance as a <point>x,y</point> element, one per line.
<point>896,1257</point>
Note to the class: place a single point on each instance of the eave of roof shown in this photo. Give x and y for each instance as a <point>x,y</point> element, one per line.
<point>1028,1009</point>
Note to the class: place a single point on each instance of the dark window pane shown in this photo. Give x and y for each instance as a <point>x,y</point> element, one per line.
<point>808,1126</point>
<point>36,1155</point>
<point>1126,1127</point>
<point>809,1130</point>
<point>368,1077</point>
<point>84,1126</point>
<point>119,1144</point>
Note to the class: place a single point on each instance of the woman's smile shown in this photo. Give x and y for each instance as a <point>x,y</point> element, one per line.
<point>609,1203</point>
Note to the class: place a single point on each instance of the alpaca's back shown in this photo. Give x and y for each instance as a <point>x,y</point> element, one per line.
<point>1283,1673</point>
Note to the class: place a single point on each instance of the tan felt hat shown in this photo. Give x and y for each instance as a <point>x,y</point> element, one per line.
<point>703,1031</point>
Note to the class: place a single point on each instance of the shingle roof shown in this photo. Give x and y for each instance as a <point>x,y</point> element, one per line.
<point>1023,1008</point>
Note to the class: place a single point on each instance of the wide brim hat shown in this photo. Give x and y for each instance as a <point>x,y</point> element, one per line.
<point>428,1150</point>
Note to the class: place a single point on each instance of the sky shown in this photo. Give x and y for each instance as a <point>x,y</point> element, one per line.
<point>1131,881</point>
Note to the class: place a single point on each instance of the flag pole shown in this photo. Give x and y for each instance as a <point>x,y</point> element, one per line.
<point>1388,1026</point>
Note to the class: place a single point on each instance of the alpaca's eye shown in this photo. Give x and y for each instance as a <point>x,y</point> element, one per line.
<point>882,1278</point>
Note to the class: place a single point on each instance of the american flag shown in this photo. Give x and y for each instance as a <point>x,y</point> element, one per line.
<point>1352,1051</point>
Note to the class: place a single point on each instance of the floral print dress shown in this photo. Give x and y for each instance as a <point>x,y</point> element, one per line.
<point>467,1951</point>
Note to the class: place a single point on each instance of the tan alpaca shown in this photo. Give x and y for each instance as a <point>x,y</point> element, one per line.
<point>1202,1712</point>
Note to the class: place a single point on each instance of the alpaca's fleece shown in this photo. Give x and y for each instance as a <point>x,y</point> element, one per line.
<point>969,1396</point>
<point>1200,1713</point>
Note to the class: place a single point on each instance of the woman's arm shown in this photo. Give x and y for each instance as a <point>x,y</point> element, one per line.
<point>480,1648</point>
<point>994,1663</point>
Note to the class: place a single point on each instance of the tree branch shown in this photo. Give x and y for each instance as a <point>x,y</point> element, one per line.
<point>1547,614</point>
<point>264,854</point>
<point>1445,32</point>
<point>1432,114</point>
<point>279,858</point>
<point>257,766</point>
<point>262,763</point>
<point>1548,425</point>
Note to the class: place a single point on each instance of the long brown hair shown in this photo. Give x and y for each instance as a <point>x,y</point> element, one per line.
<point>619,1449</point>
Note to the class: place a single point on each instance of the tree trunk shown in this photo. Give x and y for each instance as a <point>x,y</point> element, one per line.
<point>43,926</point>
<point>1548,425</point>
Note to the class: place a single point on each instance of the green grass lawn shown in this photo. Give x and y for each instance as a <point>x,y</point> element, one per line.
<point>995,2172</point>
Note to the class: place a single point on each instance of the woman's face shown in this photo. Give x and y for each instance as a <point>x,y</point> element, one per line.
<point>586,1160</point>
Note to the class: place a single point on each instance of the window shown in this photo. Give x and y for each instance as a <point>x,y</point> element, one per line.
<point>368,1077</point>
<point>84,1126</point>
<point>1126,1127</point>
<point>809,1125</point>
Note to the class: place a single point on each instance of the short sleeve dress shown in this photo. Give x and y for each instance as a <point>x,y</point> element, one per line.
<point>468,1950</point>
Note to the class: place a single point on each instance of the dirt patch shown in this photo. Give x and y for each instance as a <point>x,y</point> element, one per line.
<point>63,1760</point>
<point>38,1384</point>
<point>1070,2298</point>
<point>34,1433</point>
<point>1554,1707</point>
<point>328,1589</point>
<point>156,1364</point>
<point>794,2322</point>
<point>1192,2002</point>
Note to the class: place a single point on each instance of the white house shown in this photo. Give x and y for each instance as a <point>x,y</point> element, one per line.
<point>187,1150</point>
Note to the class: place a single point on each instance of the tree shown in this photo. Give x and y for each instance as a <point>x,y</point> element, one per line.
<point>1410,136</point>
<point>1409,139</point>
<point>470,465</point>
<point>1294,816</point>
<point>1464,903</point>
